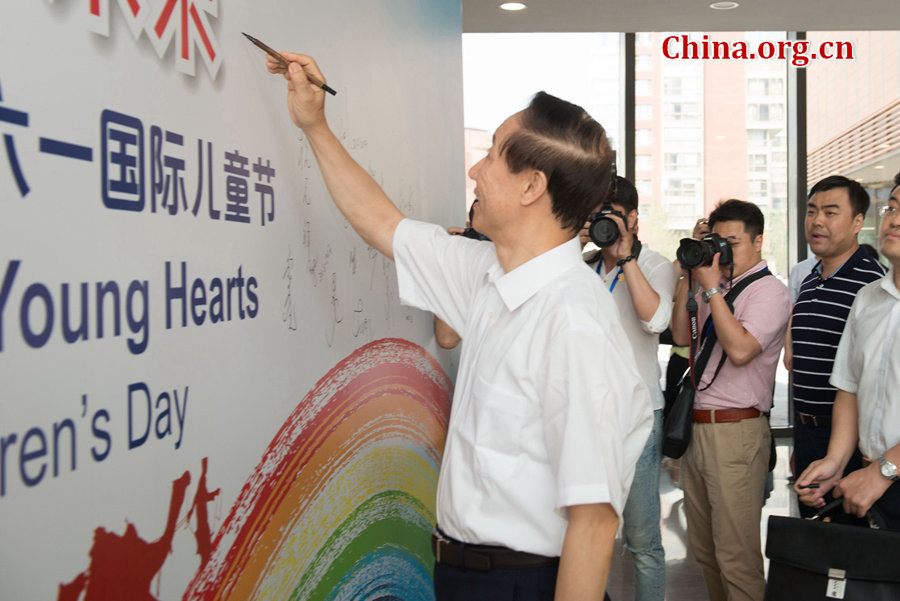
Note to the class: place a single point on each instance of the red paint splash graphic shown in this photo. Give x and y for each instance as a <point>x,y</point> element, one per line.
<point>123,567</point>
<point>391,385</point>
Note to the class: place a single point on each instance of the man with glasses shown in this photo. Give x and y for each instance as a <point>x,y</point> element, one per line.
<point>835,213</point>
<point>867,405</point>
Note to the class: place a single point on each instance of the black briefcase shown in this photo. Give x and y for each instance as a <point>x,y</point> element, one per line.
<point>812,560</point>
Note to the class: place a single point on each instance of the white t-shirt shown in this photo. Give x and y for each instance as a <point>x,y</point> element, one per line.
<point>868,364</point>
<point>547,412</point>
<point>798,274</point>
<point>644,335</point>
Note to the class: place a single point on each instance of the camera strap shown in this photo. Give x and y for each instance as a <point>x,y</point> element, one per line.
<point>707,340</point>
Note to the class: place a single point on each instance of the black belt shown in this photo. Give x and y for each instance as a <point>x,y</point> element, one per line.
<point>814,421</point>
<point>482,558</point>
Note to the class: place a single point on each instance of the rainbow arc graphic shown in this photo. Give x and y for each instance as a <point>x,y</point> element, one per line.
<point>342,503</point>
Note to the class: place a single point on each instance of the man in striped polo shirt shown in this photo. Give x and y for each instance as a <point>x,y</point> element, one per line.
<point>835,212</point>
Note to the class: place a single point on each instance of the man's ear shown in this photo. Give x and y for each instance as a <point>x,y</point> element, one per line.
<point>757,243</point>
<point>535,186</point>
<point>858,221</point>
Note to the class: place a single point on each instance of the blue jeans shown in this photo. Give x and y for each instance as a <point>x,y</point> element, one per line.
<point>641,520</point>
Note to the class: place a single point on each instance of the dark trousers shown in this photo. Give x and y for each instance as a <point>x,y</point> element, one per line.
<point>522,584</point>
<point>811,444</point>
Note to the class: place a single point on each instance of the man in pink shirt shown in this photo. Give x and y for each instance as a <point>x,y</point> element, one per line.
<point>724,468</point>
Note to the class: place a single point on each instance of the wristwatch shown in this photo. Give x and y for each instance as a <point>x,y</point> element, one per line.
<point>888,469</point>
<point>707,294</point>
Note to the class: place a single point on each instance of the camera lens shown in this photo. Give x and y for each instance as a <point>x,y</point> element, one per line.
<point>604,232</point>
<point>691,253</point>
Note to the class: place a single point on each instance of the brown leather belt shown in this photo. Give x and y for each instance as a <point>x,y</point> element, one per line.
<point>814,421</point>
<point>723,416</point>
<point>482,558</point>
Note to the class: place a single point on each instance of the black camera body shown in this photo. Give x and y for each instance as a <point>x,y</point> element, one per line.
<point>474,234</point>
<point>695,253</point>
<point>604,231</point>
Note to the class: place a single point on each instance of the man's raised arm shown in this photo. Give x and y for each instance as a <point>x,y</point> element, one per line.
<point>365,205</point>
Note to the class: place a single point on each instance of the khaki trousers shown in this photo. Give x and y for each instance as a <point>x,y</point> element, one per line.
<point>724,471</point>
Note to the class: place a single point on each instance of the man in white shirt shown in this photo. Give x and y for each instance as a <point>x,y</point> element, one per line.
<point>641,282</point>
<point>867,405</point>
<point>546,425</point>
<point>798,274</point>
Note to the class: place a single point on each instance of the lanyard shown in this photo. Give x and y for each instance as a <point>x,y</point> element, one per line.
<point>615,279</point>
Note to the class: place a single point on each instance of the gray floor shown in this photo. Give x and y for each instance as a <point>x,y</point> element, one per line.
<point>683,579</point>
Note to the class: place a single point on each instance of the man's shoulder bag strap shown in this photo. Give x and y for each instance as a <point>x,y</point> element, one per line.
<point>710,340</point>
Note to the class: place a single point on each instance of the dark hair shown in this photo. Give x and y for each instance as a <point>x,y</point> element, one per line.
<point>626,195</point>
<point>897,179</point>
<point>859,198</point>
<point>570,148</point>
<point>739,210</point>
<point>872,251</point>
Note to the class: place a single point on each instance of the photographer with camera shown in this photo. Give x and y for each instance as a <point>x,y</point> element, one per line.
<point>724,468</point>
<point>641,282</point>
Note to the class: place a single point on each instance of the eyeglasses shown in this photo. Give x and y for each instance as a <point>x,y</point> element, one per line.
<point>888,212</point>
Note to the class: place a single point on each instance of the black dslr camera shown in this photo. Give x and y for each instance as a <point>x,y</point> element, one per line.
<point>474,234</point>
<point>694,253</point>
<point>471,232</point>
<point>603,230</point>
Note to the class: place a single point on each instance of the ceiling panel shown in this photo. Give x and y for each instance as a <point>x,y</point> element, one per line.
<point>482,16</point>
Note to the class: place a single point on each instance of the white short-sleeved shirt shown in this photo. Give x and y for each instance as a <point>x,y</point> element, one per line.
<point>644,335</point>
<point>868,364</point>
<point>798,274</point>
<point>548,410</point>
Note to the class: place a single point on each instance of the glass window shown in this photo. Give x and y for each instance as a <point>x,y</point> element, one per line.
<point>682,188</point>
<point>643,112</point>
<point>644,188</point>
<point>723,134</point>
<point>643,62</point>
<point>530,62</point>
<point>681,111</point>
<point>681,161</point>
<point>643,137</point>
<point>681,134</point>
<point>852,106</point>
<point>758,163</point>
<point>681,86</point>
<point>758,188</point>
<point>765,112</point>
<point>643,39</point>
<point>765,86</point>
<point>642,87</point>
<point>769,138</point>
